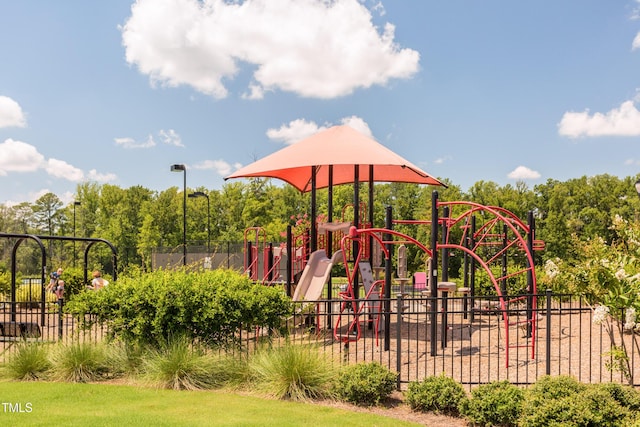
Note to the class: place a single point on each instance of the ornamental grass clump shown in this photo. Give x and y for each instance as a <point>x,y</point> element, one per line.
<point>29,363</point>
<point>178,365</point>
<point>294,372</point>
<point>79,362</point>
<point>366,384</point>
<point>439,394</point>
<point>125,359</point>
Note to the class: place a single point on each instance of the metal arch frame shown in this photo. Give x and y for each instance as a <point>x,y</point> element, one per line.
<point>518,241</point>
<point>38,239</point>
<point>511,221</point>
<point>92,241</point>
<point>14,250</point>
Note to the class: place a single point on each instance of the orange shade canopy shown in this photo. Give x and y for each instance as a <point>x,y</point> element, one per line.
<point>343,148</point>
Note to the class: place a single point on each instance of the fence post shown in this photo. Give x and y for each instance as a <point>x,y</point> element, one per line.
<point>60,318</point>
<point>548,334</point>
<point>398,339</point>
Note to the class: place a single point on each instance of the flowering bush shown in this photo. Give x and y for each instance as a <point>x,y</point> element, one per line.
<point>608,275</point>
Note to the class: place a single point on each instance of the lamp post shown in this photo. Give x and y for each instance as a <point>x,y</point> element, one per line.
<point>183,169</point>
<point>75,203</point>
<point>202,194</point>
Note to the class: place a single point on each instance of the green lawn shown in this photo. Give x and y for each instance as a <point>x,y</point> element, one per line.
<point>97,405</point>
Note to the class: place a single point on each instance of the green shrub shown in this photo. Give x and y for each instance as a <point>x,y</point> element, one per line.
<point>627,396</point>
<point>293,372</point>
<point>365,384</point>
<point>5,283</point>
<point>178,365</point>
<point>79,362</point>
<point>29,362</point>
<point>549,389</point>
<point>498,403</point>
<point>210,306</point>
<point>439,394</point>
<point>553,387</point>
<point>592,406</point>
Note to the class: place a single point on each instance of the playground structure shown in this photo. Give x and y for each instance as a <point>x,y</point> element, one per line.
<point>497,251</point>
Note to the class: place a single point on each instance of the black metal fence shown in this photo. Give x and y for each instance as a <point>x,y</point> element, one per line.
<point>475,342</point>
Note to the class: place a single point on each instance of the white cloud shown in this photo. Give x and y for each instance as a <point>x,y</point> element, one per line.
<point>31,197</point>
<point>220,166</point>
<point>170,137</point>
<point>294,131</point>
<point>94,175</point>
<point>632,162</point>
<point>11,114</point>
<point>18,156</point>
<point>314,48</point>
<point>61,169</point>
<point>128,143</point>
<point>636,42</point>
<point>299,129</point>
<point>522,173</point>
<point>67,198</point>
<point>358,124</point>
<point>442,160</point>
<point>623,121</point>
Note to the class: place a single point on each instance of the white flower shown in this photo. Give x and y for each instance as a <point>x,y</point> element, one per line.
<point>551,269</point>
<point>629,319</point>
<point>600,314</point>
<point>617,220</point>
<point>621,274</point>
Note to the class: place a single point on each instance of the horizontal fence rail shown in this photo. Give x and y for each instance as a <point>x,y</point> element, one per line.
<point>474,340</point>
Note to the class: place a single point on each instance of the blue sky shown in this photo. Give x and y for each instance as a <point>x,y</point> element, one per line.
<point>117,91</point>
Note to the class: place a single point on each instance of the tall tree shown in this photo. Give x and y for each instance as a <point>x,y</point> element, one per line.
<point>47,214</point>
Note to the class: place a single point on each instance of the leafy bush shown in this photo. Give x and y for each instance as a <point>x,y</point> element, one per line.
<point>5,283</point>
<point>498,403</point>
<point>210,306</point>
<point>627,396</point>
<point>178,365</point>
<point>79,362</point>
<point>550,388</point>
<point>593,406</point>
<point>293,372</point>
<point>29,362</point>
<point>365,384</point>
<point>440,394</point>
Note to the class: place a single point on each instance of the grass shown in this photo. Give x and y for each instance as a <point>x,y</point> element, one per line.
<point>29,362</point>
<point>78,362</point>
<point>74,404</point>
<point>177,365</point>
<point>293,372</point>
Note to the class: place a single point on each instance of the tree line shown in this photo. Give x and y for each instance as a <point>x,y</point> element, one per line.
<point>137,220</point>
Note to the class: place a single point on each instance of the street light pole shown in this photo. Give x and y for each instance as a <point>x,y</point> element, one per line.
<point>75,203</point>
<point>183,169</point>
<point>202,194</point>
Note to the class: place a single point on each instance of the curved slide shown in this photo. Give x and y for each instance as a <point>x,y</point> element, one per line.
<point>315,275</point>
